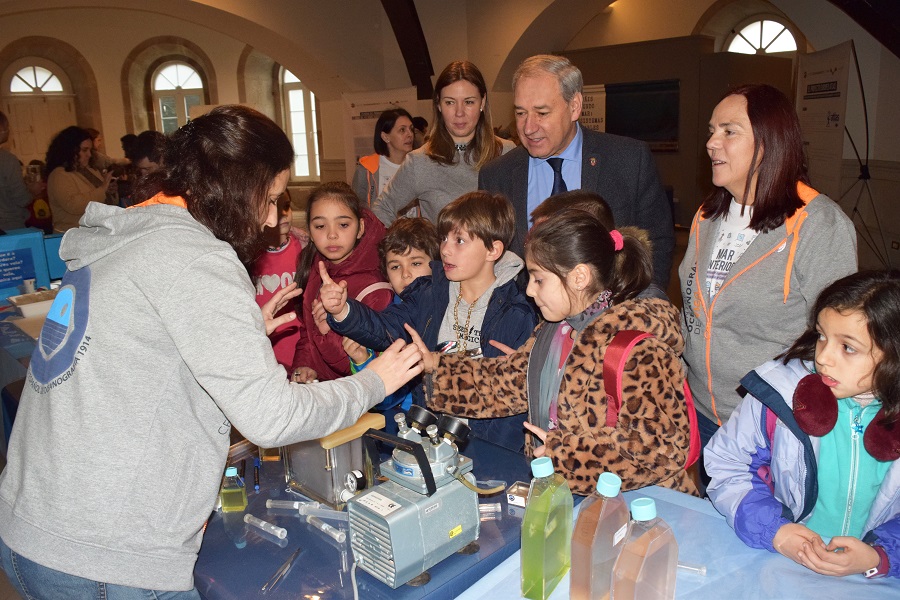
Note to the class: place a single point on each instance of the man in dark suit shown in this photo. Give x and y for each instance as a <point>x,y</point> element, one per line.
<point>548,103</point>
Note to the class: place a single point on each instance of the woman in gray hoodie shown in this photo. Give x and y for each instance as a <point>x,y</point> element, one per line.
<point>153,347</point>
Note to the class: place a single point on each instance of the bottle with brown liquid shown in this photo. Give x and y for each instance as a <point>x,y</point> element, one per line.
<point>645,570</point>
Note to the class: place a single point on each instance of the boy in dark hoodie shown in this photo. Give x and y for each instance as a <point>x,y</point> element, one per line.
<point>470,299</point>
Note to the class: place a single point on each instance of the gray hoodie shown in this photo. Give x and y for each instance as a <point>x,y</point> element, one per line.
<point>153,347</point>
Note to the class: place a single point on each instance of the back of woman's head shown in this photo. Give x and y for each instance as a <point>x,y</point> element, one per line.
<point>331,190</point>
<point>440,145</point>
<point>876,295</point>
<point>573,237</point>
<point>778,141</point>
<point>385,124</point>
<point>63,150</point>
<point>222,164</point>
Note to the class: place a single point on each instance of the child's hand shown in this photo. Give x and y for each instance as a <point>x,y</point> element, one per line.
<point>356,352</point>
<point>304,375</point>
<point>429,359</point>
<point>333,295</point>
<point>791,540</point>
<point>320,317</point>
<point>501,347</point>
<point>397,365</point>
<point>539,434</point>
<point>842,556</point>
<point>276,303</point>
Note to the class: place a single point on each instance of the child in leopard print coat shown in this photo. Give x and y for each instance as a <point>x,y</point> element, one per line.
<point>586,297</point>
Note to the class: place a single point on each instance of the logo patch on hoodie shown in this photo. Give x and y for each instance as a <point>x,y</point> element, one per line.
<point>62,342</point>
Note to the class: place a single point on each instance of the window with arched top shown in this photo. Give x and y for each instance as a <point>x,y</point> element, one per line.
<point>302,126</point>
<point>34,79</point>
<point>39,102</point>
<point>761,36</point>
<point>176,88</point>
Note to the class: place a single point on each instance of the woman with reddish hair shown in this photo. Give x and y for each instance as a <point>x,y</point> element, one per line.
<point>460,141</point>
<point>762,246</point>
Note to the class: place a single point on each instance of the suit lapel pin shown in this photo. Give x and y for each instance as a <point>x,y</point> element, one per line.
<point>593,161</point>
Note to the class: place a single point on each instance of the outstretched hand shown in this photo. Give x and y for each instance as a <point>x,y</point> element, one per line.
<point>540,434</point>
<point>502,347</point>
<point>320,317</point>
<point>397,365</point>
<point>276,303</point>
<point>333,295</point>
<point>429,359</point>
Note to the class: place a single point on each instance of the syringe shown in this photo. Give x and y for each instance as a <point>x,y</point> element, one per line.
<point>334,533</point>
<point>275,530</point>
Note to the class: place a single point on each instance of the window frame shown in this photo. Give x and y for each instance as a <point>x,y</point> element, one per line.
<point>311,129</point>
<point>180,95</point>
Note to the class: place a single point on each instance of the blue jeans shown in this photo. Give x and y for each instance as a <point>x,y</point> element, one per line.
<point>37,582</point>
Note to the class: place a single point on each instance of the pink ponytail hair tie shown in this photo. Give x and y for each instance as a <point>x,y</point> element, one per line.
<point>618,242</point>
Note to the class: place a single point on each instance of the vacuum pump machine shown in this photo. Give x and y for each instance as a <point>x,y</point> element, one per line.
<point>426,510</point>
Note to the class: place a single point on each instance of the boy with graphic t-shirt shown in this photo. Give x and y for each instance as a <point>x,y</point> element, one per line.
<point>470,299</point>
<point>274,270</point>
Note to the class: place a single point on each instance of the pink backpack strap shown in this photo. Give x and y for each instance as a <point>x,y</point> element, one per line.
<point>613,368</point>
<point>378,285</point>
<point>614,365</point>
<point>694,448</point>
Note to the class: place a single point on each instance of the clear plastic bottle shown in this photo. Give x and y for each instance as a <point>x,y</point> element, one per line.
<point>646,568</point>
<point>546,531</point>
<point>598,538</point>
<point>233,493</point>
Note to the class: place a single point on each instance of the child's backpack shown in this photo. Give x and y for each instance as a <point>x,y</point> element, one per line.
<point>613,366</point>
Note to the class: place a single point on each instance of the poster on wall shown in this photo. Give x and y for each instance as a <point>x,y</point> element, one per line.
<point>593,109</point>
<point>361,111</point>
<point>822,108</point>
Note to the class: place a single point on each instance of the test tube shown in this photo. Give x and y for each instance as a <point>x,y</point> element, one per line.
<point>279,532</point>
<point>290,504</point>
<point>323,513</point>
<point>696,569</point>
<point>334,533</point>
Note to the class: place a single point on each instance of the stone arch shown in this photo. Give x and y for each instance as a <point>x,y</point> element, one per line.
<point>139,66</point>
<point>258,85</point>
<point>75,66</point>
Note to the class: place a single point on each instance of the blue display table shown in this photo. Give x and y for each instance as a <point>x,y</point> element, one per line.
<point>234,564</point>
<point>734,571</point>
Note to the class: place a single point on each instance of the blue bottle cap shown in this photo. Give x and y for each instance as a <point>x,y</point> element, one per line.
<point>643,509</point>
<point>542,467</point>
<point>231,472</point>
<point>609,484</point>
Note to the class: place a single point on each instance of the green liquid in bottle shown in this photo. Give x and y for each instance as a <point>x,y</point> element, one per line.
<point>233,494</point>
<point>546,537</point>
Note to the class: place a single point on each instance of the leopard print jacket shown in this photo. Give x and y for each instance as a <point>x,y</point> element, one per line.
<point>649,443</point>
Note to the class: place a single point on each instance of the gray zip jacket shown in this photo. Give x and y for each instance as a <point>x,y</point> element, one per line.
<point>152,349</point>
<point>764,304</point>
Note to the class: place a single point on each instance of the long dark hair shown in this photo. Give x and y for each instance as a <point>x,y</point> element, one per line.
<point>776,136</point>
<point>876,294</point>
<point>385,124</point>
<point>333,190</point>
<point>440,145</point>
<point>573,237</point>
<point>223,164</point>
<point>64,148</point>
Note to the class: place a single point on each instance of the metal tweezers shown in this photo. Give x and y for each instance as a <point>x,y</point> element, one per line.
<point>281,572</point>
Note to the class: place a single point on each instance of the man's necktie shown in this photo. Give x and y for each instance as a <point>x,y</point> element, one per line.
<point>559,184</point>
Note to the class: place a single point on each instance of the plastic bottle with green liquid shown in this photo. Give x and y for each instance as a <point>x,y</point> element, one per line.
<point>233,493</point>
<point>599,535</point>
<point>546,531</point>
<point>646,568</point>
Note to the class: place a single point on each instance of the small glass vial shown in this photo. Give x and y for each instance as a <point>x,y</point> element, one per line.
<point>233,494</point>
